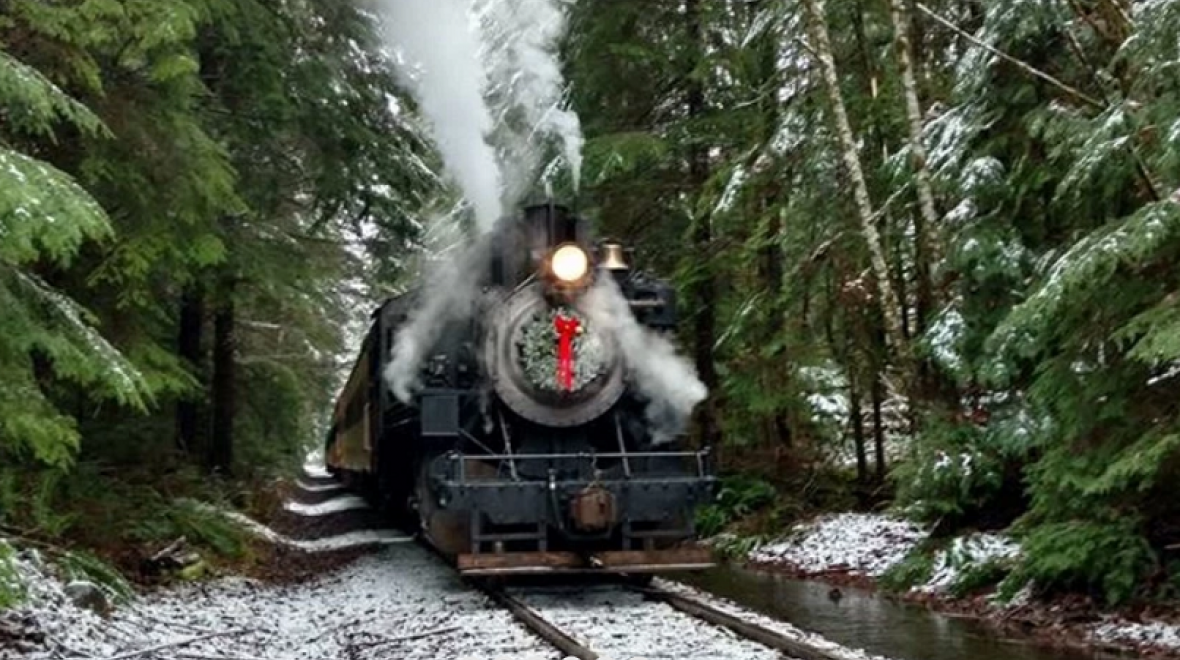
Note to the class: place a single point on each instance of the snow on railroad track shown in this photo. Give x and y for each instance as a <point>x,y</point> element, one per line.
<point>620,624</point>
<point>355,539</point>
<point>303,485</point>
<point>334,505</point>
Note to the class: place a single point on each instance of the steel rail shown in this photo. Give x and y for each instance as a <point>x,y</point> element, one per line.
<point>698,609</point>
<point>536,623</point>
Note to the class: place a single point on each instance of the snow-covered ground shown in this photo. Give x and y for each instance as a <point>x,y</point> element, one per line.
<point>357,539</point>
<point>966,553</point>
<point>318,488</point>
<point>400,603</point>
<point>863,544</point>
<point>1157,633</point>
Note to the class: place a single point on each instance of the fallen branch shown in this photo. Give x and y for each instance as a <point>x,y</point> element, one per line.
<point>73,652</point>
<point>172,645</point>
<point>333,629</point>
<point>203,656</point>
<point>172,624</point>
<point>407,638</point>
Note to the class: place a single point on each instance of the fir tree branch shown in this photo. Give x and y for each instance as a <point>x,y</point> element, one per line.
<point>1022,65</point>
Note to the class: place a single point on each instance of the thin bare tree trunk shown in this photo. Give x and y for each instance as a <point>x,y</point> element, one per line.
<point>925,244</point>
<point>890,303</point>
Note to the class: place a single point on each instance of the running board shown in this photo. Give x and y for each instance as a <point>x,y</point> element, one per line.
<point>615,561</point>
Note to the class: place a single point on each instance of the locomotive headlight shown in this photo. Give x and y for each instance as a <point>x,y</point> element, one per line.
<point>569,263</point>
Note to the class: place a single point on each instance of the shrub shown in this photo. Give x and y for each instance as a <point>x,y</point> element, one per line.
<point>1107,558</point>
<point>11,590</point>
<point>738,497</point>
<point>975,577</point>
<point>79,565</point>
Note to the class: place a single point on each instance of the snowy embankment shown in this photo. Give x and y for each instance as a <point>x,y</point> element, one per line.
<point>856,543</point>
<point>357,539</point>
<point>868,545</point>
<point>400,603</point>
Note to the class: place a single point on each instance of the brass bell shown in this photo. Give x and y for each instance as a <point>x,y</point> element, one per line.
<point>612,257</point>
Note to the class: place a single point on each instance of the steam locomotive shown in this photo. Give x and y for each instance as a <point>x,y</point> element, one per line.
<point>525,446</point>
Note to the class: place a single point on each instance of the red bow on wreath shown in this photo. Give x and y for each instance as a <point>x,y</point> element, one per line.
<point>567,328</point>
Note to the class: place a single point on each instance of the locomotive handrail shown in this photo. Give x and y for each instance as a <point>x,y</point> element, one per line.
<point>699,455</point>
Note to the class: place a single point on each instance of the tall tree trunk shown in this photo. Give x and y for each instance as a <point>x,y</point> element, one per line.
<point>890,303</point>
<point>703,294</point>
<point>221,446</point>
<point>771,274</point>
<point>858,430</point>
<point>878,395</point>
<point>192,325</point>
<point>927,219</point>
<point>772,257</point>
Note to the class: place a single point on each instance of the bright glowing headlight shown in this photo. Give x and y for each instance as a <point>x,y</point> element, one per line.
<point>569,263</point>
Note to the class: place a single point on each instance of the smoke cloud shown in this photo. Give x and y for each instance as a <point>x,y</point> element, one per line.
<point>440,46</point>
<point>449,293</point>
<point>486,77</point>
<point>520,42</point>
<point>667,380</point>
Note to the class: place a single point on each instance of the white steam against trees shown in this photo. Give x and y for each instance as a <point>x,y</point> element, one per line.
<point>439,47</point>
<point>448,294</point>
<point>520,40</point>
<point>667,380</point>
<point>486,77</point>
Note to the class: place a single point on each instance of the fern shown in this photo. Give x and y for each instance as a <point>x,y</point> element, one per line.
<point>78,565</point>
<point>12,590</point>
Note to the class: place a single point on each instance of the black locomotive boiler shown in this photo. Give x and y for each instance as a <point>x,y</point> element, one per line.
<point>525,446</point>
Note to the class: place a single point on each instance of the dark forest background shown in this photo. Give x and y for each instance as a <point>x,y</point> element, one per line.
<point>926,254</point>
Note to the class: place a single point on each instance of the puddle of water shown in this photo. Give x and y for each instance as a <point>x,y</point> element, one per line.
<point>867,621</point>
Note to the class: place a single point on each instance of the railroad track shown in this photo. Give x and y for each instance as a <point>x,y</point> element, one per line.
<point>648,622</point>
<point>618,622</point>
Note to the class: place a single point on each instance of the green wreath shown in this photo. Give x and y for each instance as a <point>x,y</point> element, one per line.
<point>539,352</point>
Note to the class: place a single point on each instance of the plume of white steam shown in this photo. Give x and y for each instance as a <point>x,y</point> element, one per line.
<point>448,294</point>
<point>483,72</point>
<point>520,40</point>
<point>664,378</point>
<point>440,48</point>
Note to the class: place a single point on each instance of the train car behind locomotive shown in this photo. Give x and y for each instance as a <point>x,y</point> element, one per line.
<point>525,444</point>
